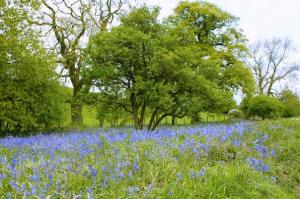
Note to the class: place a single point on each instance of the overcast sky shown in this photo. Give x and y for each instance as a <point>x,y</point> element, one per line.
<point>259,19</point>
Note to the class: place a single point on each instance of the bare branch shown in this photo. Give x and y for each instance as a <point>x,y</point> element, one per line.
<point>269,63</point>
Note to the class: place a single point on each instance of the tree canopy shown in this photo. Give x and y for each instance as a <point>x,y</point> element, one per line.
<point>170,68</point>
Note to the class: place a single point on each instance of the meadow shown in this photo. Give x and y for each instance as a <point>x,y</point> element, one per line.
<point>241,160</point>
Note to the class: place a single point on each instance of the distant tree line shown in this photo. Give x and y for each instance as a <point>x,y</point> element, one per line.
<point>129,64</point>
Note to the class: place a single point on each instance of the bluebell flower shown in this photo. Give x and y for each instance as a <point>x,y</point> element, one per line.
<point>104,169</point>
<point>149,188</point>
<point>132,190</point>
<point>262,150</point>
<point>121,175</point>
<point>2,176</point>
<point>8,196</point>
<point>135,166</point>
<point>192,174</point>
<point>236,143</point>
<point>93,171</point>
<point>104,183</point>
<point>33,190</point>
<point>273,153</point>
<point>258,165</point>
<point>179,176</point>
<point>202,172</point>
<point>130,174</point>
<point>90,194</point>
<point>14,185</point>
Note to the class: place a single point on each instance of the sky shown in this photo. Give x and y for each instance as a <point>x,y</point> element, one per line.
<point>259,19</point>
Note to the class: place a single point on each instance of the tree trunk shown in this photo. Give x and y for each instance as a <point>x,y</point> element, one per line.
<point>76,103</point>
<point>137,124</point>
<point>173,120</point>
<point>101,121</point>
<point>155,125</point>
<point>76,114</point>
<point>260,87</point>
<point>269,93</point>
<point>137,120</point>
<point>153,119</point>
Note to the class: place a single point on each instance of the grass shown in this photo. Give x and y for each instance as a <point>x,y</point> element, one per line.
<point>253,160</point>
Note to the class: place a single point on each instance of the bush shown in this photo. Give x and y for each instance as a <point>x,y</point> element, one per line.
<point>30,93</point>
<point>291,102</point>
<point>265,107</point>
<point>235,113</point>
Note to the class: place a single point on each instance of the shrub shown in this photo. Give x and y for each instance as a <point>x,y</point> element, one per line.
<point>291,102</point>
<point>235,113</point>
<point>265,107</point>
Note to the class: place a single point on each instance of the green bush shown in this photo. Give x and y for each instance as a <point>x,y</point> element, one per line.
<point>265,107</point>
<point>291,102</point>
<point>30,93</point>
<point>235,113</point>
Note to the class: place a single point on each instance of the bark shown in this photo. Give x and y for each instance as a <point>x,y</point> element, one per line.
<point>153,119</point>
<point>135,114</point>
<point>101,121</point>
<point>155,125</point>
<point>76,114</point>
<point>173,120</point>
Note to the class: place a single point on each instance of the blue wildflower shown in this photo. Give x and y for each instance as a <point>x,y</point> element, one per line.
<point>93,171</point>
<point>132,190</point>
<point>135,166</point>
<point>236,143</point>
<point>258,165</point>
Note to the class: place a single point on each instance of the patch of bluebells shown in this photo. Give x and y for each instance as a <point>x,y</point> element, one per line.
<point>49,159</point>
<point>197,174</point>
<point>258,165</point>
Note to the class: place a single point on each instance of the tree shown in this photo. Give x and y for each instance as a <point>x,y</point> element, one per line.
<point>217,50</point>
<point>269,60</point>
<point>30,97</point>
<point>265,107</point>
<point>291,102</point>
<point>162,68</point>
<point>121,61</point>
<point>70,23</point>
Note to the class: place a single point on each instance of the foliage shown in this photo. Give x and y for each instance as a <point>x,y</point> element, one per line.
<point>30,95</point>
<point>215,161</point>
<point>265,107</point>
<point>144,65</point>
<point>235,113</point>
<point>291,102</point>
<point>112,114</point>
